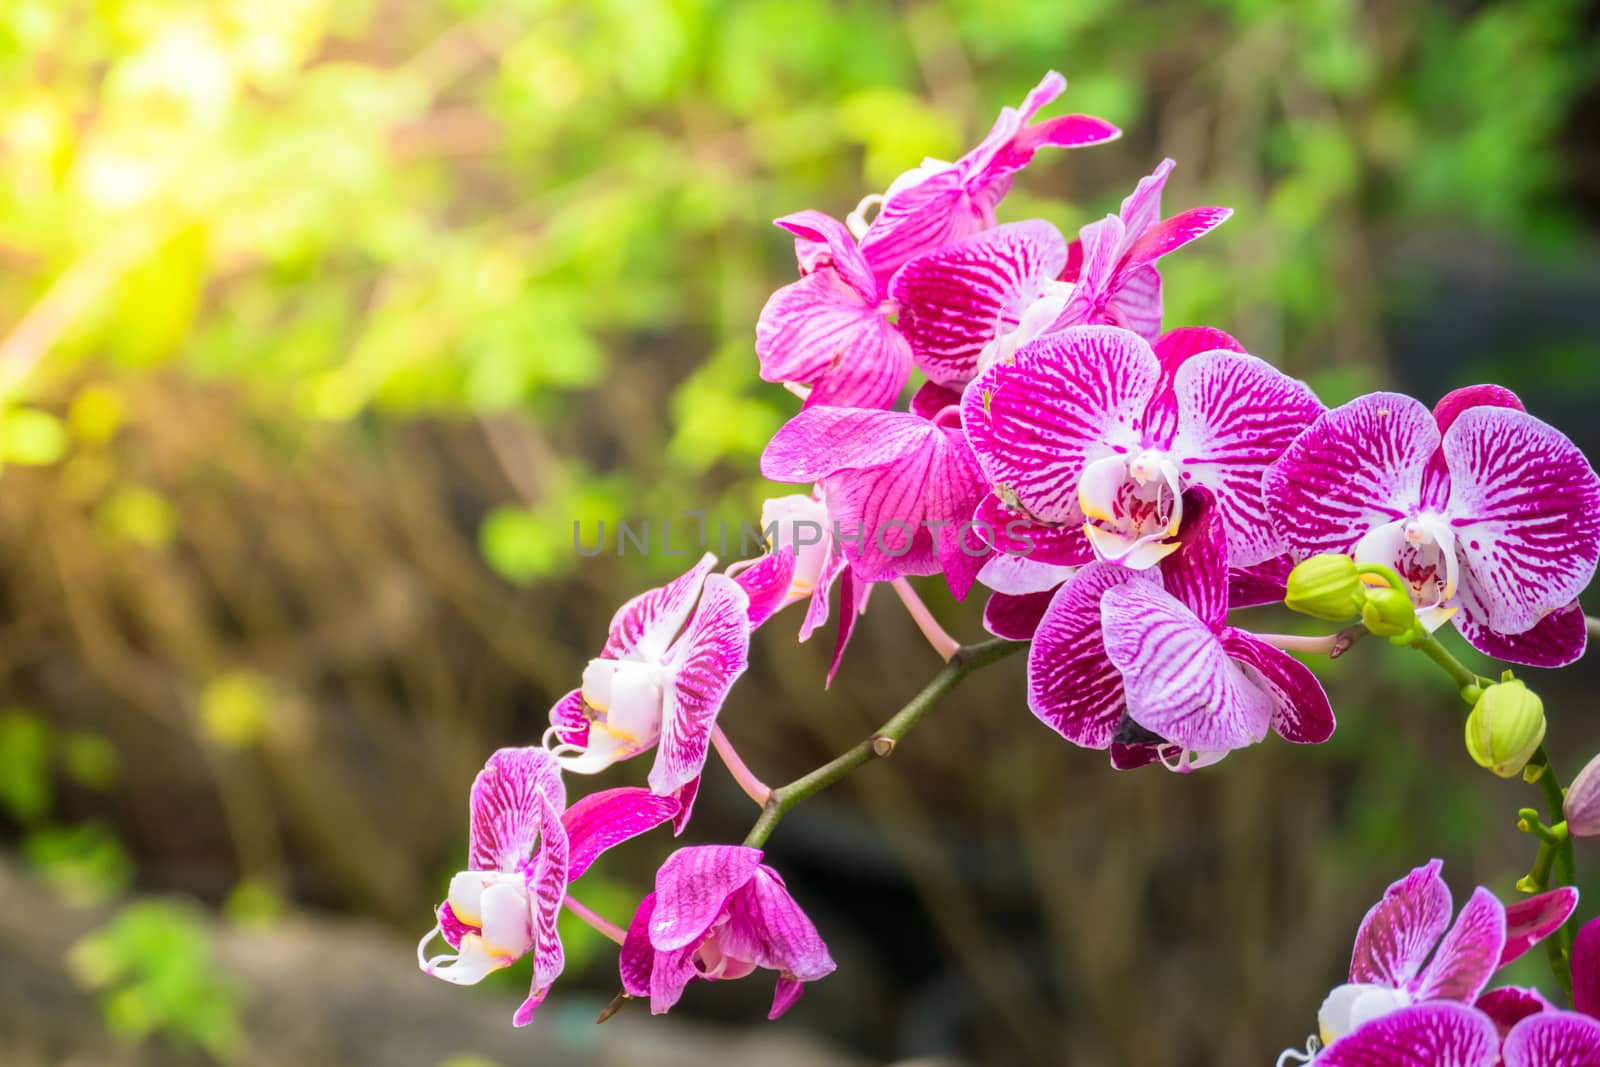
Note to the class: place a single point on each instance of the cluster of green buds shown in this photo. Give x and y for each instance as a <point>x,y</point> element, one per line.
<point>1335,588</point>
<point>1506,726</point>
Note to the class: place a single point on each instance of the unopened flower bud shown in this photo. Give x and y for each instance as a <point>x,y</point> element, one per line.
<point>1582,806</point>
<point>1326,587</point>
<point>1506,727</point>
<point>1387,612</point>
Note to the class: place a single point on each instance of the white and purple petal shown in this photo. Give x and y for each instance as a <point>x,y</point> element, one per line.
<point>1556,640</point>
<point>644,626</point>
<point>1400,930</point>
<point>1441,1034</point>
<point>818,332</point>
<point>506,812</point>
<point>1073,686</point>
<point>705,663</point>
<point>1469,954</point>
<point>1301,712</point>
<point>1554,1039</point>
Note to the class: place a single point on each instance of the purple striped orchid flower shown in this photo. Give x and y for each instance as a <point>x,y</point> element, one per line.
<point>829,333</point>
<point>1446,1034</point>
<point>901,490</point>
<point>653,686</point>
<point>1417,980</point>
<point>1143,662</point>
<point>1095,438</point>
<point>1490,516</point>
<point>719,913</point>
<point>525,847</point>
<point>940,203</point>
<point>1111,276</point>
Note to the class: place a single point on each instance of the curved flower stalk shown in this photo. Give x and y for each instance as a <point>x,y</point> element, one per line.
<point>1143,662</point>
<point>1095,437</point>
<point>1491,516</point>
<point>719,913</point>
<point>525,847</point>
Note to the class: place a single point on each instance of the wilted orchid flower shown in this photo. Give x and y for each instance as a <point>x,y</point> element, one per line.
<point>900,488</point>
<point>1491,516</point>
<point>526,846</point>
<point>1143,663</point>
<point>829,333</point>
<point>1391,967</point>
<point>939,203</point>
<point>1095,437</point>
<point>1111,276</point>
<point>652,685</point>
<point>719,913</point>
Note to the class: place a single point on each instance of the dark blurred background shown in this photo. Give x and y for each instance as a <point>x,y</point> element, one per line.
<point>322,320</point>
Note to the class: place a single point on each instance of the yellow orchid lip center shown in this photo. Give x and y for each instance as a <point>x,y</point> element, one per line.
<point>1132,507</point>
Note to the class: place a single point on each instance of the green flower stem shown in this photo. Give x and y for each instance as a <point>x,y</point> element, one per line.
<point>1553,856</point>
<point>966,659</point>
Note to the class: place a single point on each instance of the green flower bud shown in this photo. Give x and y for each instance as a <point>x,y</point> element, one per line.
<point>1326,587</point>
<point>1506,727</point>
<point>1388,612</point>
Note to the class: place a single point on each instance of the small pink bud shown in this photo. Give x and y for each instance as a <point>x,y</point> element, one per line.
<point>1582,806</point>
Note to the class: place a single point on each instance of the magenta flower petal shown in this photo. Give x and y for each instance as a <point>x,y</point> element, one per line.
<point>1509,1005</point>
<point>819,332</point>
<point>1532,919</point>
<point>1469,954</point>
<point>955,300</point>
<point>505,806</point>
<point>685,797</point>
<point>570,720</point>
<point>1357,467</point>
<point>1553,1039</point>
<point>637,959</point>
<point>647,624</point>
<point>1586,969</point>
<point>1173,349</point>
<point>1453,403</point>
<point>823,242</point>
<point>1402,928</point>
<point>766,583</point>
<point>602,820</point>
<point>1016,617</point>
<point>547,884</point>
<point>786,996</point>
<point>1014,534</point>
<point>1169,235</point>
<point>931,399</point>
<point>1236,416</point>
<point>705,662</point>
<point>767,928</point>
<point>852,602</point>
<point>1073,686</point>
<point>1197,573</point>
<point>1301,712</point>
<point>1525,506</point>
<point>1555,640</point>
<point>1068,398</point>
<point>1441,1034</point>
<point>1179,680</point>
<point>1265,583</point>
<point>692,887</point>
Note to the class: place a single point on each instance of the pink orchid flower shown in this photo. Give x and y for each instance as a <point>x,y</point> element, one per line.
<point>829,333</point>
<point>1095,437</point>
<point>719,913</point>
<point>939,203</point>
<point>653,686</point>
<point>1491,516</point>
<point>1143,662</point>
<point>1111,274</point>
<point>526,846</point>
<point>902,490</point>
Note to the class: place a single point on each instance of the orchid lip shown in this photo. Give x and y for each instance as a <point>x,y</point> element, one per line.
<point>1421,549</point>
<point>1132,507</point>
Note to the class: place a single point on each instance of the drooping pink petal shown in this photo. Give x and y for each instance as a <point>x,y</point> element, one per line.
<point>1441,1034</point>
<point>1016,617</point>
<point>1068,398</point>
<point>1525,507</point>
<point>1553,1039</point>
<point>547,885</point>
<point>1469,954</point>
<point>766,583</point>
<point>1555,640</point>
<point>1178,678</point>
<point>1073,686</point>
<point>1509,1005</point>
<point>766,927</point>
<point>1301,712</point>
<point>1402,928</point>
<point>1265,583</point>
<point>786,996</point>
<point>602,820</point>
<point>692,891</point>
<point>818,332</point>
<point>1197,573</point>
<point>1532,919</point>
<point>637,958</point>
<point>1357,467</point>
<point>505,806</point>
<point>1169,235</point>
<point>823,242</point>
<point>1586,969</point>
<point>647,624</point>
<point>955,300</point>
<point>670,973</point>
<point>705,662</point>
<point>1236,416</point>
